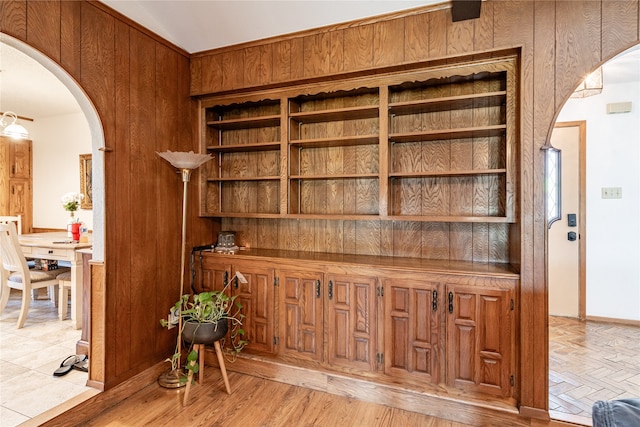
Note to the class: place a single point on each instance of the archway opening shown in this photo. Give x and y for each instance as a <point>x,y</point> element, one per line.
<point>594,312</point>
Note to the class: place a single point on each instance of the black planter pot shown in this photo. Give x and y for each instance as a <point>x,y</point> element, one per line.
<point>204,333</point>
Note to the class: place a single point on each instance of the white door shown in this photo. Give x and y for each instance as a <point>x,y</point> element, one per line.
<point>563,252</point>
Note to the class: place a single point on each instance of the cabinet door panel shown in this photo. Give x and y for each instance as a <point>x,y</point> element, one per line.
<point>20,159</point>
<point>480,339</point>
<point>257,299</point>
<point>411,330</point>
<point>301,319</point>
<point>215,275</point>
<point>20,193</point>
<point>351,322</point>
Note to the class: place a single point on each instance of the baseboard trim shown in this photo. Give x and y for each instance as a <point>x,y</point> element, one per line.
<point>538,414</point>
<point>628,322</point>
<point>440,406</point>
<point>52,413</point>
<point>86,410</point>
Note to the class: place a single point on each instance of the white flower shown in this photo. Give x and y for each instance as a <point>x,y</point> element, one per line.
<point>71,201</point>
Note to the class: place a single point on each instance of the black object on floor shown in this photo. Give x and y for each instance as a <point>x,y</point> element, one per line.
<point>77,361</point>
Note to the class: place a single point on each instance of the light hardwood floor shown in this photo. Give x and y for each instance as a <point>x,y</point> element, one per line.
<point>590,361</point>
<point>255,402</point>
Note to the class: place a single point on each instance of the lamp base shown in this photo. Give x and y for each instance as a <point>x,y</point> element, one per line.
<point>171,379</point>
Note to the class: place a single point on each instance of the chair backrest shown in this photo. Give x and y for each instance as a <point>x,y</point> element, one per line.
<point>17,219</point>
<point>10,252</point>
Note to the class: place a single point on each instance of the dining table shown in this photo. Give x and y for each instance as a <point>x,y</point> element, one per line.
<point>58,246</point>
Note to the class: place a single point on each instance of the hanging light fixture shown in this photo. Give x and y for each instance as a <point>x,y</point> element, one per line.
<point>13,129</point>
<point>591,85</point>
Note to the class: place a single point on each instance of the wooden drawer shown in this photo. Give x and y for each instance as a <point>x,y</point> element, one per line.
<point>51,253</point>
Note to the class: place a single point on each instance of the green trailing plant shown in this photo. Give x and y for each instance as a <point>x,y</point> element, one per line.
<point>207,307</point>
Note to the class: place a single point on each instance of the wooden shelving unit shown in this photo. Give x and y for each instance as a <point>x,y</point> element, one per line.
<point>333,154</point>
<point>448,144</point>
<point>245,179</point>
<point>428,146</point>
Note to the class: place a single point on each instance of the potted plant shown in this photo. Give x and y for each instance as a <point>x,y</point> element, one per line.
<point>204,318</point>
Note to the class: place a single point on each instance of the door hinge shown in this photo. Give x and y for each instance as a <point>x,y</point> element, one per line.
<point>512,380</point>
<point>512,305</point>
<point>434,302</point>
<point>276,281</point>
<point>380,358</point>
<point>380,291</point>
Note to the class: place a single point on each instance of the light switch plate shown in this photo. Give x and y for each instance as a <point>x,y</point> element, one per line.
<point>612,192</point>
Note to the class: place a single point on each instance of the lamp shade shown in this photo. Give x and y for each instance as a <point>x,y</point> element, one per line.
<point>185,160</point>
<point>591,85</point>
<point>13,129</point>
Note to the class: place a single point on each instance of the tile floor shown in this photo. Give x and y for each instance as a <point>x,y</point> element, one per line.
<point>28,357</point>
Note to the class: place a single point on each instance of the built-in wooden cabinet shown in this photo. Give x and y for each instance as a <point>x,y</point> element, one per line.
<point>413,321</point>
<point>417,326</point>
<point>16,193</point>
<point>440,329</point>
<point>329,318</point>
<point>419,161</point>
<point>253,286</point>
<point>302,317</point>
<point>480,337</point>
<point>351,321</point>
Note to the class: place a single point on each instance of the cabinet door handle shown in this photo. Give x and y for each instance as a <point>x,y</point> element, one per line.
<point>330,289</point>
<point>317,288</point>
<point>225,279</point>
<point>450,302</point>
<point>235,282</point>
<point>435,300</point>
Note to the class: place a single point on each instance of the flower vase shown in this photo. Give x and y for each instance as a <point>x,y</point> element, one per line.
<point>72,220</point>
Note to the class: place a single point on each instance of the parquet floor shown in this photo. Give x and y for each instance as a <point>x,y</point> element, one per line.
<point>590,361</point>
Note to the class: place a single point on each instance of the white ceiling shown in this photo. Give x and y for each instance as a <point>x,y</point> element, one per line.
<point>30,90</point>
<point>196,26</point>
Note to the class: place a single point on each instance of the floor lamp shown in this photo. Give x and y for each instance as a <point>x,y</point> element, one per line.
<point>185,162</point>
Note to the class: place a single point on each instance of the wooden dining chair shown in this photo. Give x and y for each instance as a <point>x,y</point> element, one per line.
<point>15,273</point>
<point>17,219</point>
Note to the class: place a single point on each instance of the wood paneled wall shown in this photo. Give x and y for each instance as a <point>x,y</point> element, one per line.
<point>559,41</point>
<point>139,85</point>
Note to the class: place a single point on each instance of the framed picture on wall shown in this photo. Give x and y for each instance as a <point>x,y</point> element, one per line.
<point>85,181</point>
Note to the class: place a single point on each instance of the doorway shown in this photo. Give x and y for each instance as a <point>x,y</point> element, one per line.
<point>567,236</point>
<point>52,343</point>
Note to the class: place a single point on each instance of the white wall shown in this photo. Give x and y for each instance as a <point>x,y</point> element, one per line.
<point>612,225</point>
<point>57,143</point>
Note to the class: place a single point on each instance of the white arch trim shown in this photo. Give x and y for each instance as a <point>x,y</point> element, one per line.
<point>97,137</point>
